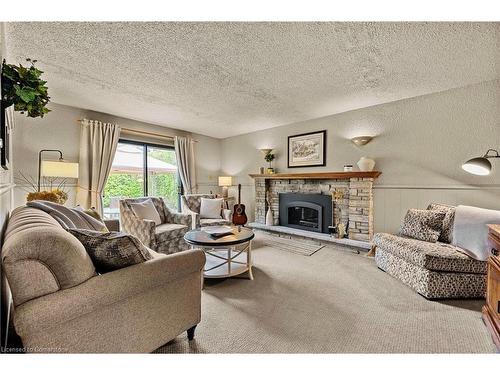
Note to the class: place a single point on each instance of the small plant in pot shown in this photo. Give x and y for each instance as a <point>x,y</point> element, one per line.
<point>269,157</point>
<point>23,88</point>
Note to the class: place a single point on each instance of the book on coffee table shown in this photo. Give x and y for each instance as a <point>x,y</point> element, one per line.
<point>218,231</point>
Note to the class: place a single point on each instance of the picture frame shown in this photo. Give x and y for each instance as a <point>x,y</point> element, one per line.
<point>307,149</point>
<point>7,123</point>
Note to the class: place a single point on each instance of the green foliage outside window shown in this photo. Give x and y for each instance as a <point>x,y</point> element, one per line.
<point>164,185</point>
<point>123,185</point>
<point>128,185</point>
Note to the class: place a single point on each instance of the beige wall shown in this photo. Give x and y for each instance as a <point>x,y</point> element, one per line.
<point>59,130</point>
<point>420,145</point>
<point>6,202</point>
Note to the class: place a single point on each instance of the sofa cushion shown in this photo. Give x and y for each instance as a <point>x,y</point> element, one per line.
<point>169,231</point>
<point>432,284</point>
<point>424,225</point>
<point>213,222</point>
<point>193,201</point>
<point>112,250</point>
<point>211,208</point>
<point>436,256</point>
<point>146,210</point>
<point>446,235</point>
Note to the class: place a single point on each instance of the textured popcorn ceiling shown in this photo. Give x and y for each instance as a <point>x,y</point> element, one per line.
<point>224,79</point>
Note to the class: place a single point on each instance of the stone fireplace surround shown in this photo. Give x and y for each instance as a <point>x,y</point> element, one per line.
<point>356,206</point>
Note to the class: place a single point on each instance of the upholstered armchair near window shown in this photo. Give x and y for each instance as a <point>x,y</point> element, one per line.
<point>191,204</point>
<point>166,237</point>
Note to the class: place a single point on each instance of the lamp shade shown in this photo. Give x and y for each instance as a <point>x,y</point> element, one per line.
<point>478,166</point>
<point>225,181</point>
<point>59,169</point>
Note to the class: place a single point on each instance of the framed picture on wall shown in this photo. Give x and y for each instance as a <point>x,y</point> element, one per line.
<point>307,150</point>
<point>7,123</point>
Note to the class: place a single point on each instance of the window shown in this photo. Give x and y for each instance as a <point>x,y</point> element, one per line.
<point>138,170</point>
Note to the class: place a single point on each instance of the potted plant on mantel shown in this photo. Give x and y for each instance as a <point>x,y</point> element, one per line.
<point>23,88</point>
<point>269,157</point>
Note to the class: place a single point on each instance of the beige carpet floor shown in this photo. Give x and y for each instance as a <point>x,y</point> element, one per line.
<point>334,301</point>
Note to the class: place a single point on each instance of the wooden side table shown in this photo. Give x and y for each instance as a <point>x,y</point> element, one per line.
<point>229,202</point>
<point>491,311</point>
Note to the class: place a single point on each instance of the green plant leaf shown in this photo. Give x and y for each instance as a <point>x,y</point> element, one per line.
<point>26,94</point>
<point>23,87</point>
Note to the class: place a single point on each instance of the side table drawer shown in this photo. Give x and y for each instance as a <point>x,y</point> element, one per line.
<point>493,295</point>
<point>494,244</point>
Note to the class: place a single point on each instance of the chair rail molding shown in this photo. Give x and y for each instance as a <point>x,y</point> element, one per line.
<point>4,188</point>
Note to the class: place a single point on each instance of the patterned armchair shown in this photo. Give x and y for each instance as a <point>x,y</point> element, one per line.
<point>168,237</point>
<point>191,203</point>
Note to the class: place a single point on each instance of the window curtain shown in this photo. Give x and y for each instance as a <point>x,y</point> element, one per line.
<point>98,142</point>
<point>184,153</point>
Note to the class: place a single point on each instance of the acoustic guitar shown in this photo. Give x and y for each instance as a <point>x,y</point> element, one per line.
<point>239,215</point>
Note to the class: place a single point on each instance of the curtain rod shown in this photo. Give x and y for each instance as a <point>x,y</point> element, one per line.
<point>142,132</point>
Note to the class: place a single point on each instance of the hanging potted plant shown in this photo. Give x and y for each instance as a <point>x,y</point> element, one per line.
<point>23,88</point>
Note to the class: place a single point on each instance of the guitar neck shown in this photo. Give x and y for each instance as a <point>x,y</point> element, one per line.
<point>239,193</point>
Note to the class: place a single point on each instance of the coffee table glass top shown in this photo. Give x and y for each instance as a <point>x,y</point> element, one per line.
<point>199,237</point>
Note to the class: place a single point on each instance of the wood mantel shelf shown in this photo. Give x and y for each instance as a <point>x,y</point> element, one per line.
<point>317,176</point>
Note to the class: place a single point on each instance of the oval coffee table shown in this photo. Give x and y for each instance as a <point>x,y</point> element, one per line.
<point>227,256</point>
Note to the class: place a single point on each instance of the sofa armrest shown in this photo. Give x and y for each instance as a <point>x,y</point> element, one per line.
<point>195,217</point>
<point>179,218</point>
<point>107,289</point>
<point>143,229</point>
<point>113,225</point>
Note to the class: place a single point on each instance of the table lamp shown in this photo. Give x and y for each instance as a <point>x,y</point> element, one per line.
<point>225,182</point>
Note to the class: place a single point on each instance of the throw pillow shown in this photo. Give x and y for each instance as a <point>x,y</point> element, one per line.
<point>146,210</point>
<point>211,208</point>
<point>424,225</point>
<point>91,212</point>
<point>113,250</point>
<point>446,235</point>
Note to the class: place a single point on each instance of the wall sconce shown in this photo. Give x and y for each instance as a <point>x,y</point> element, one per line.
<point>362,140</point>
<point>480,166</point>
<point>265,151</point>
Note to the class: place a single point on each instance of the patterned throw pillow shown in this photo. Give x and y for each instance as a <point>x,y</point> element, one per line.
<point>112,250</point>
<point>424,225</point>
<point>447,229</point>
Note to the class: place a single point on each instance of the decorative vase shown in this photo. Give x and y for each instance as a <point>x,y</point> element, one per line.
<point>366,164</point>
<point>269,217</point>
<point>270,170</point>
<point>341,230</point>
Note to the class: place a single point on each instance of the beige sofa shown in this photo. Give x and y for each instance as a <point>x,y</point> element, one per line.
<point>62,305</point>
